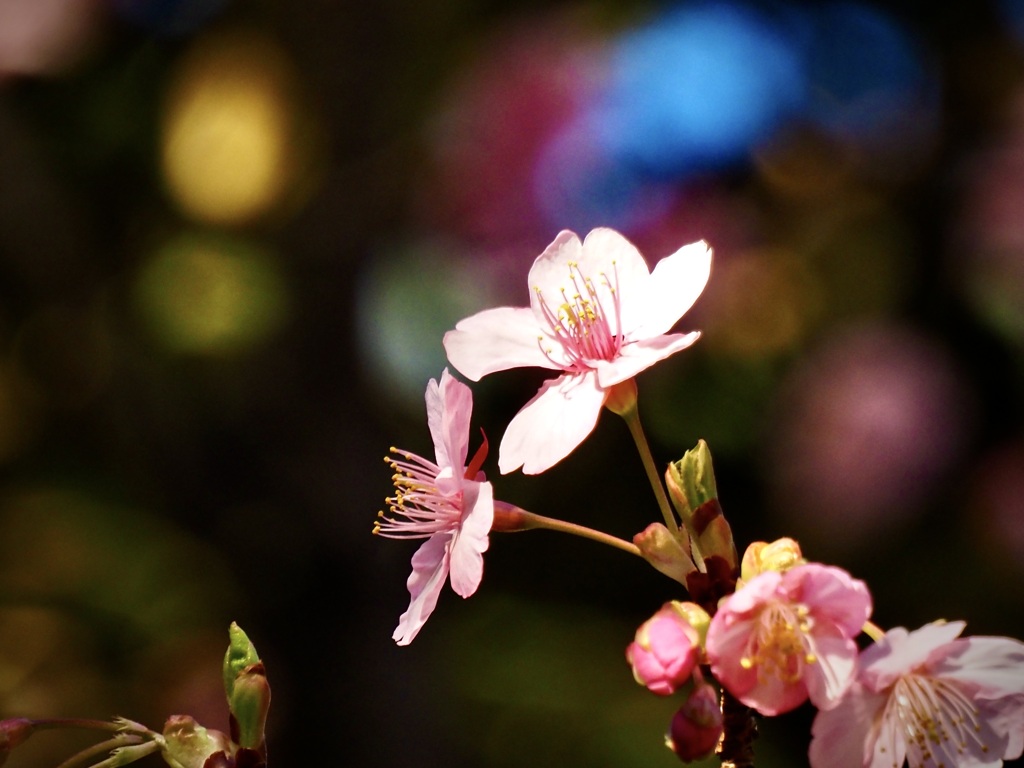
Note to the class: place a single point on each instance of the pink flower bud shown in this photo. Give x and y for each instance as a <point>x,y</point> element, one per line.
<point>666,648</point>
<point>697,726</point>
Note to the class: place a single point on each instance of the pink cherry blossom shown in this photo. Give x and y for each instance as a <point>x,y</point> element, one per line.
<point>784,637</point>
<point>665,650</point>
<point>445,502</point>
<point>929,697</point>
<point>599,317</point>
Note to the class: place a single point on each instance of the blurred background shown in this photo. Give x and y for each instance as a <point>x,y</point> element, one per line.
<point>233,233</point>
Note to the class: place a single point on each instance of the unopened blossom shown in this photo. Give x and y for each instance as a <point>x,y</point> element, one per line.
<point>697,727</point>
<point>445,502</point>
<point>930,697</point>
<point>598,316</point>
<point>667,647</point>
<point>785,637</point>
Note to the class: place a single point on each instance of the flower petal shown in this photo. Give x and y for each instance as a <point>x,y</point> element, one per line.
<point>449,408</point>
<point>606,258</point>
<point>990,667</point>
<point>499,339</point>
<point>429,569</point>
<point>830,592</point>
<point>549,273</point>
<point>676,283</point>
<point>471,541</point>
<point>641,355</point>
<point>898,651</point>
<point>829,677</point>
<point>547,429</point>
<point>839,736</point>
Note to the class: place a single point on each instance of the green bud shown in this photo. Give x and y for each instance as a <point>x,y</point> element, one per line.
<point>691,481</point>
<point>669,553</point>
<point>694,493</point>
<point>241,653</point>
<point>249,704</point>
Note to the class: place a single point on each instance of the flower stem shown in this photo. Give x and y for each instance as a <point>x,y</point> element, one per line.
<point>508,517</point>
<point>873,631</point>
<point>623,402</point>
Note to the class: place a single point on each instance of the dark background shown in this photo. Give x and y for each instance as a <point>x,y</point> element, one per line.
<point>233,233</point>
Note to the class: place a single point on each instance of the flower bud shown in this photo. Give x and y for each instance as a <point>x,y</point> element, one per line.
<point>189,745</point>
<point>667,647</point>
<point>694,493</point>
<point>779,555</point>
<point>241,653</point>
<point>249,703</point>
<point>665,551</point>
<point>696,728</point>
<point>12,733</point>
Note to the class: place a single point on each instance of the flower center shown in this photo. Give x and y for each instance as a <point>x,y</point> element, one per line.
<point>778,648</point>
<point>582,322</point>
<point>935,718</point>
<point>418,509</point>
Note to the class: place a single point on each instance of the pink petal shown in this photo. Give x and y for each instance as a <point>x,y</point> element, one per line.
<point>676,283</point>
<point>888,745</point>
<point>839,736</point>
<point>641,355</point>
<point>470,543</point>
<point>499,339</point>
<point>833,671</point>
<point>900,651</point>
<point>449,407</point>
<point>552,424</point>
<point>830,592</point>
<point>429,569</point>
<point>990,667</point>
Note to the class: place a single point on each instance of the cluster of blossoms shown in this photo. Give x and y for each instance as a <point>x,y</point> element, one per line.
<point>764,633</point>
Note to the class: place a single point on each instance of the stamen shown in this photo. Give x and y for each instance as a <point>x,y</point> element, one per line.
<point>581,322</point>
<point>937,719</point>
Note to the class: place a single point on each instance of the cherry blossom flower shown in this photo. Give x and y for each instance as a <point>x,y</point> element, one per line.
<point>445,502</point>
<point>597,315</point>
<point>929,697</point>
<point>667,647</point>
<point>784,637</point>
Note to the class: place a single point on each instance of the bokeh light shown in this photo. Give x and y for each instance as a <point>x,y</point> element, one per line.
<point>210,294</point>
<point>46,37</point>
<point>870,82</point>
<point>696,88</point>
<point>230,130</point>
<point>411,295</point>
<point>864,429</point>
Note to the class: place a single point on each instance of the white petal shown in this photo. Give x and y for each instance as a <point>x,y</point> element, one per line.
<point>641,355</point>
<point>499,339</point>
<point>676,283</point>
<point>552,424</point>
